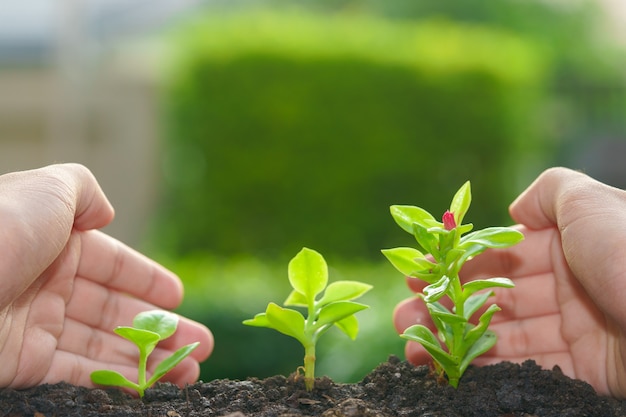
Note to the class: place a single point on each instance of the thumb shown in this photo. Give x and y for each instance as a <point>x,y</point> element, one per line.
<point>83,195</point>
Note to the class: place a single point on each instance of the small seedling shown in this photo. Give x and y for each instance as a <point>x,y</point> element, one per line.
<point>149,328</point>
<point>449,250</point>
<point>308,275</point>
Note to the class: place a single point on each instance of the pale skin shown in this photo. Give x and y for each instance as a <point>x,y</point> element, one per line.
<point>66,285</point>
<point>568,307</point>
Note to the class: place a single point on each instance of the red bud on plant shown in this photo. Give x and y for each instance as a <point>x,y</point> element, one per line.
<point>448,220</point>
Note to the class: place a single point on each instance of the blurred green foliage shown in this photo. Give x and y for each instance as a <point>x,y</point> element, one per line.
<point>297,129</point>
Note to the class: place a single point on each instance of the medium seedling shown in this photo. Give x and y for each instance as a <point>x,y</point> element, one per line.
<point>149,328</point>
<point>449,250</point>
<point>308,276</point>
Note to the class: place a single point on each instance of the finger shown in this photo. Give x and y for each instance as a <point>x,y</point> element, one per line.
<point>528,337</point>
<point>190,331</point>
<point>532,296</point>
<point>416,354</point>
<point>527,258</point>
<point>409,312</point>
<point>99,309</point>
<point>83,195</point>
<point>110,263</point>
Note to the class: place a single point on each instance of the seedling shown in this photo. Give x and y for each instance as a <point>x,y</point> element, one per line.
<point>449,250</point>
<point>149,328</point>
<point>308,275</point>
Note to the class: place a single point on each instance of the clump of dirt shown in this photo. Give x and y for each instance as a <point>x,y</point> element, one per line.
<point>395,388</point>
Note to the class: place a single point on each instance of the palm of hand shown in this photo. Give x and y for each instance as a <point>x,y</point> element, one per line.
<point>60,328</point>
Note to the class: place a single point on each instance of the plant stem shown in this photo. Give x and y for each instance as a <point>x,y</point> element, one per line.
<point>309,366</point>
<point>141,371</point>
<point>458,330</point>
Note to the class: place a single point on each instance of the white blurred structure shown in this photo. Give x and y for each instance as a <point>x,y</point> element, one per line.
<point>74,87</point>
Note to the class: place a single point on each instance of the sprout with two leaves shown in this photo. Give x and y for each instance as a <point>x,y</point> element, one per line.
<point>148,329</point>
<point>449,248</point>
<point>308,275</point>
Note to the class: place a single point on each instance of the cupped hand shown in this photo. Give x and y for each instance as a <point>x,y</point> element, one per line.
<point>66,285</point>
<point>567,307</point>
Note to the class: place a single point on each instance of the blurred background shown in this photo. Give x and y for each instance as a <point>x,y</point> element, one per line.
<point>229,134</point>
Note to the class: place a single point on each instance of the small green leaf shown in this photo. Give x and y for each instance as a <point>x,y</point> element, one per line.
<point>461,202</point>
<point>112,378</point>
<point>480,284</point>
<point>170,362</point>
<point>343,291</point>
<point>145,340</point>
<point>260,320</point>
<point>337,311</point>
<point>492,237</point>
<point>474,302</point>
<point>434,292</point>
<point>405,216</point>
<point>482,345</point>
<point>349,325</point>
<point>286,321</point>
<point>483,323</point>
<point>409,261</point>
<point>444,315</point>
<point>160,322</point>
<point>444,321</point>
<point>296,298</point>
<point>308,273</point>
<point>426,338</point>
<point>426,240</point>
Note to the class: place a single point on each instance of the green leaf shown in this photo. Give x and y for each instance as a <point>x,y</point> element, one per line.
<point>474,302</point>
<point>308,273</point>
<point>160,322</point>
<point>349,325</point>
<point>482,345</point>
<point>426,338</point>
<point>296,298</point>
<point>337,311</point>
<point>426,240</point>
<point>410,262</point>
<point>260,320</point>
<point>286,321</point>
<point>343,291</point>
<point>145,340</point>
<point>438,311</point>
<point>405,216</point>
<point>492,237</point>
<point>112,378</point>
<point>461,202</point>
<point>480,284</point>
<point>170,362</point>
<point>483,323</point>
<point>444,320</point>
<point>434,292</point>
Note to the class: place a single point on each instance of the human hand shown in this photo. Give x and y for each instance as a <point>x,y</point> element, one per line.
<point>567,307</point>
<point>66,286</point>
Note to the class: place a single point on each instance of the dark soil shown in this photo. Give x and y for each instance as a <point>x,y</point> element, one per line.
<point>395,388</point>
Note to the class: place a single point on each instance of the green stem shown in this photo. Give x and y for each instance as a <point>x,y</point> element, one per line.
<point>141,375</point>
<point>309,366</point>
<point>458,330</point>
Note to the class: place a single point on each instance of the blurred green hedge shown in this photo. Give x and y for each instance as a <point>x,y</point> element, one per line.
<point>288,130</point>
